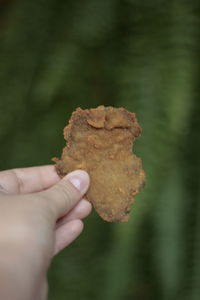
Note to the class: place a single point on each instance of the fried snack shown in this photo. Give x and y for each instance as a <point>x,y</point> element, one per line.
<point>100,141</point>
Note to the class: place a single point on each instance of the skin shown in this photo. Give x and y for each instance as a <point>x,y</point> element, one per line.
<point>39,216</point>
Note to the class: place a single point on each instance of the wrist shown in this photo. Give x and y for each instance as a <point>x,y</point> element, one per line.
<point>19,275</point>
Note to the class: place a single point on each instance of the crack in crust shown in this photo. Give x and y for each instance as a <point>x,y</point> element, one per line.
<point>100,141</point>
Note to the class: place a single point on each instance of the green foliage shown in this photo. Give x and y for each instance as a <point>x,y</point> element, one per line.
<point>144,56</point>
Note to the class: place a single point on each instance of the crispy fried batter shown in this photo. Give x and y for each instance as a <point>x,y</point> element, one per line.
<point>100,141</point>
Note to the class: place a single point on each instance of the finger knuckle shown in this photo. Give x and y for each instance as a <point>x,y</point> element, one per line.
<point>67,192</point>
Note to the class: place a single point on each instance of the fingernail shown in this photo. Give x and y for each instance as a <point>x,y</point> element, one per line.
<point>79,179</point>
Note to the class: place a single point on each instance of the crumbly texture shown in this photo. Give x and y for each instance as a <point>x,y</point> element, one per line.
<point>100,141</point>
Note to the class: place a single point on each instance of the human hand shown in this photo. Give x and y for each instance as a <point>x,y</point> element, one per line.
<point>39,216</point>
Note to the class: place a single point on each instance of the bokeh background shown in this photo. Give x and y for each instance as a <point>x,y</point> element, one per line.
<point>142,55</point>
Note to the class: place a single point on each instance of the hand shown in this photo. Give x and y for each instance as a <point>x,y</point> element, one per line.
<point>39,216</point>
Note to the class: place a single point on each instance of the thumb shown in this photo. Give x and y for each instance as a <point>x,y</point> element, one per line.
<point>64,195</point>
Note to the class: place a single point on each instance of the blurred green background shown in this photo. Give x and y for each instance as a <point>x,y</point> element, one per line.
<point>144,56</point>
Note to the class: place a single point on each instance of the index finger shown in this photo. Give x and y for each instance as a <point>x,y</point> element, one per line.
<point>28,180</point>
